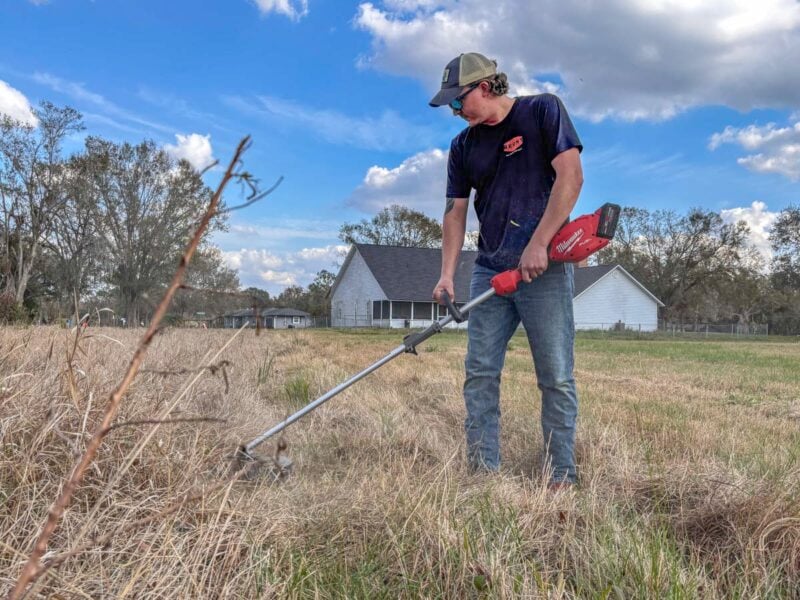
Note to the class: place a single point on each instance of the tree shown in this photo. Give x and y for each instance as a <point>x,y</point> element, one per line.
<point>32,172</point>
<point>257,296</point>
<point>785,240</point>
<point>394,226</point>
<point>680,258</point>
<point>148,205</point>
<point>210,285</point>
<point>293,296</point>
<point>318,293</point>
<point>72,249</point>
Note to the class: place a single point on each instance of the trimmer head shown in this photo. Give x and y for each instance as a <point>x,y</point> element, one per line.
<point>274,468</point>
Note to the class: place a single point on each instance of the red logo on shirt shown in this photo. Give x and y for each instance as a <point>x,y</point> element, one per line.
<point>512,145</point>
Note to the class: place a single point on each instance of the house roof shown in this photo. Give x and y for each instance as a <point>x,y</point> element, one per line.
<point>409,274</point>
<point>269,312</point>
<point>586,277</point>
<point>284,312</point>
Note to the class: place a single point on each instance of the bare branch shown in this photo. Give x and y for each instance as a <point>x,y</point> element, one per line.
<point>33,568</point>
<point>254,197</point>
<point>165,422</point>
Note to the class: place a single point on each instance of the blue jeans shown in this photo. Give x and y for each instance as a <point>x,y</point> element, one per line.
<point>544,307</point>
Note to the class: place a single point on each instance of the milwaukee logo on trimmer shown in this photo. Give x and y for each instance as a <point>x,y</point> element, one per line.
<point>568,244</point>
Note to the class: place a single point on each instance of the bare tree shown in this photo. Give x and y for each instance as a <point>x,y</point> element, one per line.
<point>210,284</point>
<point>147,207</point>
<point>678,257</point>
<point>73,260</point>
<point>31,189</point>
<point>394,226</point>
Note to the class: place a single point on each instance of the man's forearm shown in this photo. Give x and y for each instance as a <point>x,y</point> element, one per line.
<point>454,226</point>
<point>563,197</point>
<point>562,200</point>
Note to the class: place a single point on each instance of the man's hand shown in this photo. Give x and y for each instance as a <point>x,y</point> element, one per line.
<point>445,285</point>
<point>533,261</point>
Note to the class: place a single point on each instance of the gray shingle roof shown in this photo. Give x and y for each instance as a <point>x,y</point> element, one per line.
<point>409,274</point>
<point>586,276</point>
<point>269,312</point>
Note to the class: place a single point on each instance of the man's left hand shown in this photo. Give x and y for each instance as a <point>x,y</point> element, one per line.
<point>533,261</point>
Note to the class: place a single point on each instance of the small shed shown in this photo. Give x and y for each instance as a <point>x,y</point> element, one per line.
<point>270,318</point>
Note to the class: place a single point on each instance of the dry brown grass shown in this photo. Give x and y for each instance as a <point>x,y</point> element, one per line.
<point>687,453</point>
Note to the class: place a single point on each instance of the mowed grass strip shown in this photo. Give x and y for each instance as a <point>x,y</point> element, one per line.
<point>687,453</point>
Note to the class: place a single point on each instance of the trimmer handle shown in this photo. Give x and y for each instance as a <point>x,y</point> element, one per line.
<point>454,312</point>
<point>506,283</point>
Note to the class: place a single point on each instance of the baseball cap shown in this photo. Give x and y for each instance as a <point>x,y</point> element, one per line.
<point>463,70</point>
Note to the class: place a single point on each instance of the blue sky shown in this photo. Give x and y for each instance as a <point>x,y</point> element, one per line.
<point>679,103</point>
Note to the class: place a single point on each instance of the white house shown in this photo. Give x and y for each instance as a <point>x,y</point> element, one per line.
<point>607,297</point>
<point>390,286</point>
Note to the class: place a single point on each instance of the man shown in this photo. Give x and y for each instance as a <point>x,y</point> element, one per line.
<point>522,158</point>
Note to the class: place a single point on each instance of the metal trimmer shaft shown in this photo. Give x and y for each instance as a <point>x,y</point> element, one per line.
<point>409,345</point>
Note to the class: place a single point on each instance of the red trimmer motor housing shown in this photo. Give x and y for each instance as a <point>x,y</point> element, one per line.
<point>584,236</point>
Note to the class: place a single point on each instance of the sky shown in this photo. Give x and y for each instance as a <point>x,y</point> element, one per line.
<point>679,104</point>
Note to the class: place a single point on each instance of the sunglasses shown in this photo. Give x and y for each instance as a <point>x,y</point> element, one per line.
<point>457,103</point>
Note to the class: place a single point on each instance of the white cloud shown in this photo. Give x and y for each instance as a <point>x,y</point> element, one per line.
<point>14,104</point>
<point>194,148</point>
<point>760,221</point>
<point>419,182</point>
<point>274,271</point>
<point>777,149</point>
<point>388,131</point>
<point>284,230</point>
<point>77,91</point>
<point>629,59</point>
<point>294,10</point>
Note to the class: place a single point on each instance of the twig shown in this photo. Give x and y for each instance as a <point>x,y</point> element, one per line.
<point>33,568</point>
<point>221,366</point>
<point>165,422</point>
<point>254,197</point>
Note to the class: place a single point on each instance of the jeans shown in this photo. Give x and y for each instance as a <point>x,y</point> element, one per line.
<point>544,307</point>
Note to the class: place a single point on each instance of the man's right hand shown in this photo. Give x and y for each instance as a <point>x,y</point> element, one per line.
<point>445,285</point>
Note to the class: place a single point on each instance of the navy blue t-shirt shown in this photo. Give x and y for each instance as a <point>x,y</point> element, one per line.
<point>508,166</point>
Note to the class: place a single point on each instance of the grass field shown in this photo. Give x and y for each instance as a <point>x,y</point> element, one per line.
<point>687,451</point>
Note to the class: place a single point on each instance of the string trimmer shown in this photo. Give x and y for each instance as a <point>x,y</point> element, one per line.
<point>574,242</point>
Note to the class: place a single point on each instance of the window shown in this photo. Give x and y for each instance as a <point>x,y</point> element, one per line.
<point>296,320</point>
<point>423,310</point>
<point>401,310</point>
<point>376,310</point>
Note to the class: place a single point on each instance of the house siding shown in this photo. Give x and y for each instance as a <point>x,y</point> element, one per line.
<point>351,303</point>
<point>615,298</point>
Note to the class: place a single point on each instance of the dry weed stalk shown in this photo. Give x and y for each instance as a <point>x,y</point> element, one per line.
<point>33,568</point>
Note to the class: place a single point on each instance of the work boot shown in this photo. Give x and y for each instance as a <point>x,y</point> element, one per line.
<point>560,486</point>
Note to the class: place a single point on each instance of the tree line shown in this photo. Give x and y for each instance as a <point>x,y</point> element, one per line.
<point>702,268</point>
<point>103,228</point>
